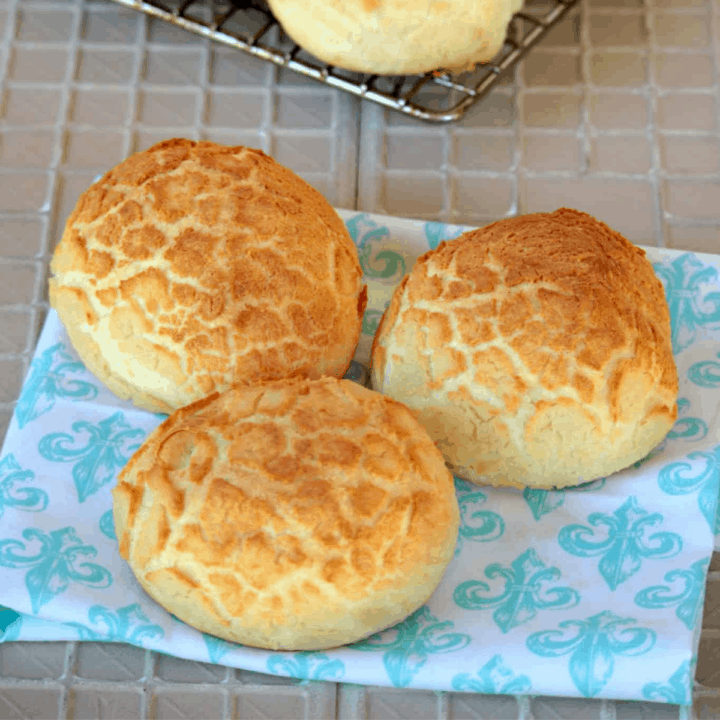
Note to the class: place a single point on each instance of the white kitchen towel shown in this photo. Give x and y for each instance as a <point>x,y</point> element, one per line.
<point>549,593</point>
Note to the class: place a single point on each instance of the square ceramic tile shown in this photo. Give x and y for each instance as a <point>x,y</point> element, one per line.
<point>682,30</point>
<point>12,373</point>
<point>571,708</point>
<point>114,26</point>
<point>552,69</point>
<point>29,660</point>
<point>618,69</point>
<point>625,4</point>
<point>625,205</point>
<point>160,31</point>
<point>617,30</point>
<point>272,707</point>
<point>247,138</point>
<point>462,706</point>
<point>25,106</point>
<point>304,110</point>
<point>707,707</point>
<point>616,153</point>
<point>28,64</point>
<point>303,153</point>
<point>92,703</point>
<point>111,67</point>
<point>403,151</point>
<point>692,199</point>
<point>683,4</point>
<point>172,67</point>
<point>654,711</point>
<point>23,191</point>
<point>551,152</point>
<point>686,111</point>
<point>29,703</point>
<point>31,148</point>
<point>71,184</point>
<point>682,71</point>
<point>551,110</point>
<point>99,107</point>
<point>22,236</point>
<point>236,109</point>
<point>390,703</point>
<point>621,111</point>
<point>177,670</point>
<point>566,33</point>
<point>93,149</point>
<point>478,151</point>
<point>416,195</point>
<point>172,704</point>
<point>496,110</point>
<point>5,417</point>
<point>109,661</point>
<point>699,238</point>
<point>171,109</point>
<point>39,25</point>
<point>17,283</point>
<point>680,154</point>
<point>14,333</point>
<point>230,67</point>
<point>711,612</point>
<point>474,197</point>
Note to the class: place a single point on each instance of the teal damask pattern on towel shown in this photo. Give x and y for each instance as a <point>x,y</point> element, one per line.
<point>691,307</point>
<point>386,265</point>
<point>476,525</point>
<point>20,497</point>
<point>592,645</point>
<point>542,502</point>
<point>705,374</point>
<point>683,478</point>
<point>107,525</point>
<point>687,428</point>
<point>527,590</point>
<point>217,648</point>
<point>493,678</point>
<point>51,377</point>
<point>437,232</point>
<point>627,544</point>
<point>306,666</point>
<point>407,646</point>
<point>10,624</point>
<point>55,565</point>
<point>98,453</point>
<point>129,624</point>
<point>677,690</point>
<point>685,592</point>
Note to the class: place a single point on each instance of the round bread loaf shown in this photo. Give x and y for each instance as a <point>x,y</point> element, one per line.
<point>398,37</point>
<point>536,351</point>
<point>295,515</point>
<point>191,266</point>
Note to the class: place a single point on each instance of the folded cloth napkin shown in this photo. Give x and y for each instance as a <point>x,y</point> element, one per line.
<point>553,592</point>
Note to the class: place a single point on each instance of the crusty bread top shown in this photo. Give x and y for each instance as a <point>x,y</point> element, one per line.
<point>291,514</point>
<point>192,265</point>
<point>396,37</point>
<point>520,319</point>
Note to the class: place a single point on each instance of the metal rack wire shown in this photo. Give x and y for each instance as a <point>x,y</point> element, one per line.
<point>249,26</point>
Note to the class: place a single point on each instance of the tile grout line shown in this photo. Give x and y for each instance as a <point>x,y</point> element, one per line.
<point>132,88</point>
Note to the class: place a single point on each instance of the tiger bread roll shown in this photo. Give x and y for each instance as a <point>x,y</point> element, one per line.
<point>398,37</point>
<point>294,515</point>
<point>191,266</point>
<point>536,351</point>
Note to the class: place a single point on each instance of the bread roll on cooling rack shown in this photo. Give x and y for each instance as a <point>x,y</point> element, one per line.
<point>536,351</point>
<point>193,265</point>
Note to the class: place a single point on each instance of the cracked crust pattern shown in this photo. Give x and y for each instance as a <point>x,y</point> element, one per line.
<point>297,515</point>
<point>191,266</point>
<point>536,351</point>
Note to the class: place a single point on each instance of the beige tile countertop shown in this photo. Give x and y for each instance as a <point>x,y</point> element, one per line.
<point>615,113</point>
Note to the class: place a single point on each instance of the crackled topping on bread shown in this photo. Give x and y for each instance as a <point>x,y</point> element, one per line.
<point>192,265</point>
<point>509,333</point>
<point>306,513</point>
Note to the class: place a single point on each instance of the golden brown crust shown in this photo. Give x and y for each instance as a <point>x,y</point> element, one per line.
<point>300,514</point>
<point>191,266</point>
<point>536,351</point>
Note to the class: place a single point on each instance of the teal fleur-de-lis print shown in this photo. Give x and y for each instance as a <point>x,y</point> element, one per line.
<point>705,373</point>
<point>129,624</point>
<point>386,265</point>
<point>681,478</point>
<point>677,690</point>
<point>543,502</point>
<point>685,592</point>
<point>527,590</point>
<point>107,525</point>
<point>10,624</point>
<point>691,307</point>
<point>217,647</point>
<point>407,646</point>
<point>626,543</point>
<point>687,428</point>
<point>436,232</point>
<point>592,645</point>
<point>60,560</point>
<point>476,525</point>
<point>51,377</point>
<point>306,666</point>
<point>108,446</point>
<point>493,678</point>
<point>12,494</point>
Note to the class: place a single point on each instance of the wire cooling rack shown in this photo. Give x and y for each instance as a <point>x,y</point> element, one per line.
<point>249,26</point>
